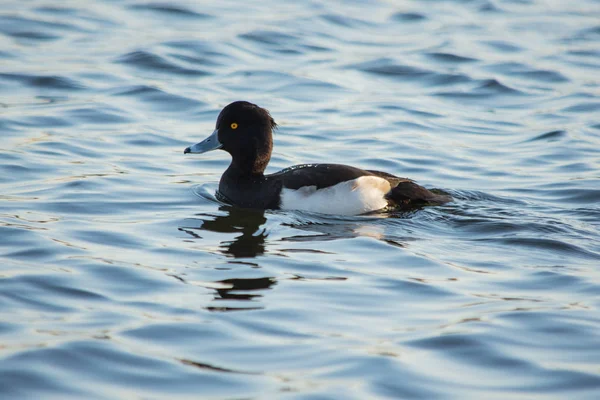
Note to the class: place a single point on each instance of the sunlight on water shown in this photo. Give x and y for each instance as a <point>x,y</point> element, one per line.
<point>123,276</point>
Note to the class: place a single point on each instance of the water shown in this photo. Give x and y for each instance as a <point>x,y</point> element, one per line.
<point>123,277</point>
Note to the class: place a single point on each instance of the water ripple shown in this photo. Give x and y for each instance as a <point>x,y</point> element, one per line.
<point>123,275</point>
<point>144,60</point>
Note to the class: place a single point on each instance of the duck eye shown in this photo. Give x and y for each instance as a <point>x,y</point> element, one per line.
<point>234,125</point>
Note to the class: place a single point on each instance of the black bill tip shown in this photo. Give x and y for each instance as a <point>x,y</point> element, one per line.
<point>187,150</point>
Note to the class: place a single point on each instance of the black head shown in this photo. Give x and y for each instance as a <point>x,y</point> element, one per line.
<point>244,130</point>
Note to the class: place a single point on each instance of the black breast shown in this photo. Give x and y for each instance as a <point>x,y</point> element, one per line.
<point>254,192</point>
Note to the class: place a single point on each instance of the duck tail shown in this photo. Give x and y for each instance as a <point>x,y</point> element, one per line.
<point>409,193</point>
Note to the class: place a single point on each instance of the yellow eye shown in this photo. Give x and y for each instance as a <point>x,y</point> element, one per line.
<point>234,126</point>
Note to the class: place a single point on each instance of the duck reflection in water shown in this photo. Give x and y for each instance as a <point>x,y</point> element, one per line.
<point>250,243</point>
<point>241,289</point>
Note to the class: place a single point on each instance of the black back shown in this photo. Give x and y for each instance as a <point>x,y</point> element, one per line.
<point>326,175</point>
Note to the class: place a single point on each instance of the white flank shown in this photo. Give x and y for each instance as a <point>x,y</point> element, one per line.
<point>354,197</point>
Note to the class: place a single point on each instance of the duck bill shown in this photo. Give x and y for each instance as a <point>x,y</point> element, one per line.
<point>208,144</point>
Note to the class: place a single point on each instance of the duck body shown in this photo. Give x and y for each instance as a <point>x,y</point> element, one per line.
<point>244,130</point>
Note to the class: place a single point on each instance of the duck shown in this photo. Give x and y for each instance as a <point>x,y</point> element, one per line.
<point>245,131</point>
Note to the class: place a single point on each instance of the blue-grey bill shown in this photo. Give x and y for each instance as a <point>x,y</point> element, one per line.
<point>208,144</point>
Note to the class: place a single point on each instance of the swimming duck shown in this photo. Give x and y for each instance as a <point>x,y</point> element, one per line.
<point>245,131</point>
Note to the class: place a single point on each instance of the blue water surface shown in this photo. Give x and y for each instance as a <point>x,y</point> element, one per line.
<point>122,277</point>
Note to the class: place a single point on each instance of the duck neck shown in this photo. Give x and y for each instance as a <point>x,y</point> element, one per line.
<point>250,162</point>
<point>244,169</point>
